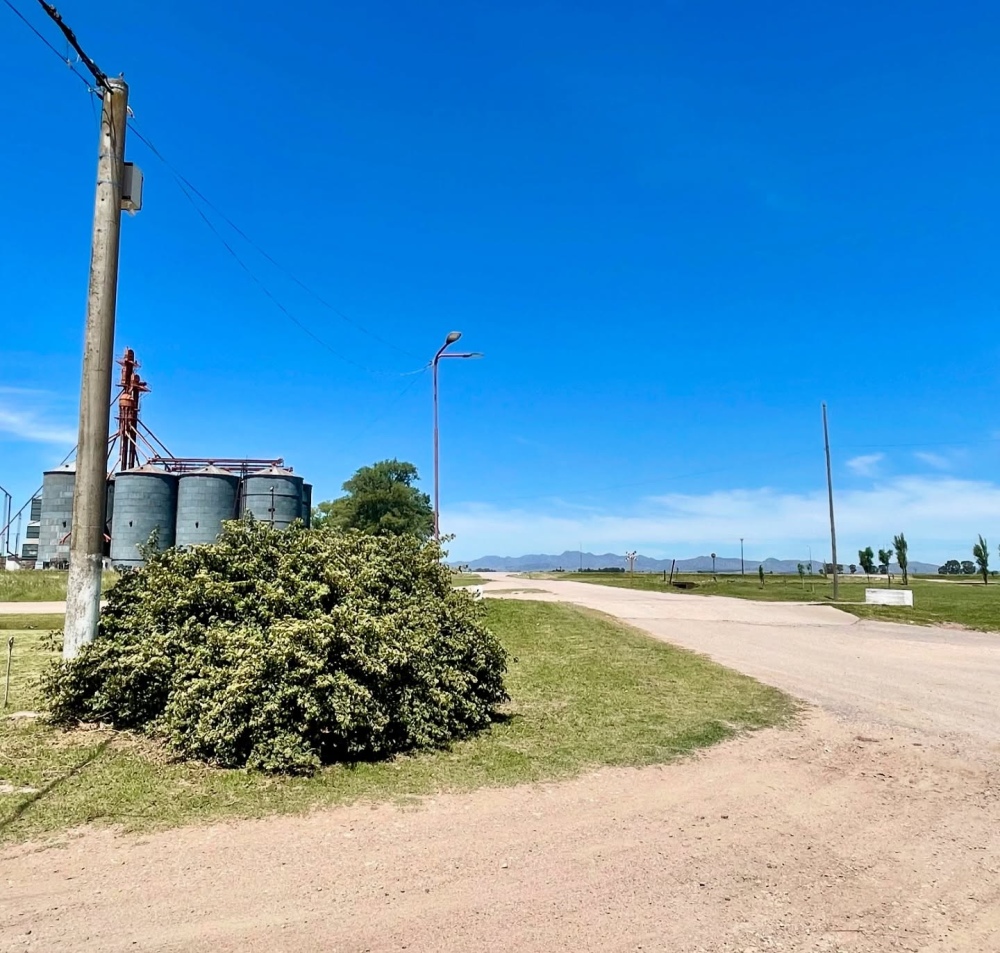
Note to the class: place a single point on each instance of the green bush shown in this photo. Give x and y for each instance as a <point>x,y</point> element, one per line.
<point>284,651</point>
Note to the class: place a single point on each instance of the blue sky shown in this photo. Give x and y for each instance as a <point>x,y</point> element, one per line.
<point>673,228</point>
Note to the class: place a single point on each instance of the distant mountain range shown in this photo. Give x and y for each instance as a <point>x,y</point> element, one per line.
<point>570,560</point>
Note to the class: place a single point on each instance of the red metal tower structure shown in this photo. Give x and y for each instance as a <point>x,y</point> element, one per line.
<point>137,444</point>
<point>132,388</point>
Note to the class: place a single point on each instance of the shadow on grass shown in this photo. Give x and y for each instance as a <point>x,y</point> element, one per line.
<point>361,761</point>
<point>33,799</point>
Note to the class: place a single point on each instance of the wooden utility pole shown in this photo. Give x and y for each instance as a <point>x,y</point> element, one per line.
<point>829,489</point>
<point>83,588</point>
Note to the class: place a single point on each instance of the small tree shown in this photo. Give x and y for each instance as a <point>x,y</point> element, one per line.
<point>866,558</point>
<point>760,573</point>
<point>884,558</point>
<point>802,574</point>
<point>853,567</point>
<point>981,553</point>
<point>901,547</point>
<point>968,567</point>
<point>951,568</point>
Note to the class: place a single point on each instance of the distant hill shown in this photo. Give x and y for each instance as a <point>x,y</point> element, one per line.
<point>574,560</point>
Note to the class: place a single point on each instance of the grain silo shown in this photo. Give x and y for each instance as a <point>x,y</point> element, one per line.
<point>273,496</point>
<point>109,504</point>
<point>205,498</point>
<point>145,501</point>
<point>56,522</point>
<point>307,504</point>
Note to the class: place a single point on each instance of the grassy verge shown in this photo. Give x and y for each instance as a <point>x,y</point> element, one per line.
<point>40,585</point>
<point>586,691</point>
<point>467,579</point>
<point>29,621</point>
<point>962,601</point>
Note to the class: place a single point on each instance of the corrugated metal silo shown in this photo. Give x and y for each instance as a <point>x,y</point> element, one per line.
<point>273,496</point>
<point>307,504</point>
<point>56,520</point>
<point>109,512</point>
<point>145,500</point>
<point>204,499</point>
<point>109,501</point>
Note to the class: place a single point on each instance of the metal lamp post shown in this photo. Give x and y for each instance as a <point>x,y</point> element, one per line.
<point>5,521</point>
<point>448,341</point>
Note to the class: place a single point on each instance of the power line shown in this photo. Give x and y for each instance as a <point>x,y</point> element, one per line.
<point>184,183</point>
<point>267,291</point>
<point>95,70</point>
<point>189,190</point>
<point>369,426</point>
<point>184,188</point>
<point>919,445</point>
<point>66,61</point>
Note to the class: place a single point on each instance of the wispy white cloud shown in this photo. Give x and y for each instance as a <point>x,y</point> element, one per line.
<point>25,391</point>
<point>940,515</point>
<point>933,460</point>
<point>20,424</point>
<point>867,464</point>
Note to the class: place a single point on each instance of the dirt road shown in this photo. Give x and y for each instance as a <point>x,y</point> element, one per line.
<point>871,828</point>
<point>32,608</point>
<point>932,679</point>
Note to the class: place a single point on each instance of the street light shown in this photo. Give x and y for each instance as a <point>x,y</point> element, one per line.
<point>5,521</point>
<point>452,337</point>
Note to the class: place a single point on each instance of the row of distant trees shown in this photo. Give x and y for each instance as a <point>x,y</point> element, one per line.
<point>866,559</point>
<point>981,555</point>
<point>381,499</point>
<point>868,565</point>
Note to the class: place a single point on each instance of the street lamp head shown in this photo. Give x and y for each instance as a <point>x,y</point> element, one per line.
<point>453,336</point>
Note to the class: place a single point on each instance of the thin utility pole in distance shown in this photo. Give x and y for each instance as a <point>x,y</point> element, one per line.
<point>83,587</point>
<point>5,521</point>
<point>829,489</point>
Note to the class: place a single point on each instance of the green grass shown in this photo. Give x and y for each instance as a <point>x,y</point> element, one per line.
<point>959,600</point>
<point>27,620</point>
<point>586,691</point>
<point>467,579</point>
<point>40,585</point>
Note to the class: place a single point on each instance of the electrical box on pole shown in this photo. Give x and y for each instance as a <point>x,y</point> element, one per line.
<point>132,189</point>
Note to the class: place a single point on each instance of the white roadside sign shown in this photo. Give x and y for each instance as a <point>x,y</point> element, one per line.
<point>889,597</point>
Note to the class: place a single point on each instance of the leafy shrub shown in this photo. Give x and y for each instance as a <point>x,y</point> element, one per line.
<point>283,651</point>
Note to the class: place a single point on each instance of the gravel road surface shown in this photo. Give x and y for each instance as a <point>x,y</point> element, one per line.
<point>873,826</point>
<point>32,608</point>
<point>943,680</point>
